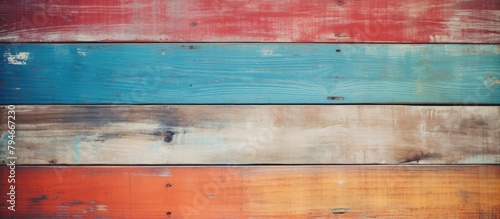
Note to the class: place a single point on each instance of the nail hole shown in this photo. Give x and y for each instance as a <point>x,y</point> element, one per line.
<point>168,185</point>
<point>335,98</point>
<point>337,51</point>
<point>340,3</point>
<point>168,136</point>
<point>190,85</point>
<point>193,23</point>
<point>189,47</point>
<point>169,214</point>
<point>168,139</point>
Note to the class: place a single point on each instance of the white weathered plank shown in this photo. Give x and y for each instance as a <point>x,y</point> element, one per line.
<point>237,134</point>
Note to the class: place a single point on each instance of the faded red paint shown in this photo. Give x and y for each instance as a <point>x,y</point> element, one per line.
<point>251,21</point>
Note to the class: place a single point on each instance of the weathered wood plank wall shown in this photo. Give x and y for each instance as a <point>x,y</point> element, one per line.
<point>422,21</point>
<point>249,73</point>
<point>205,57</point>
<point>258,192</point>
<point>230,134</point>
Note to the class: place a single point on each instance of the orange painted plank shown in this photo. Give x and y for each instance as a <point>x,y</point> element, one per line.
<point>423,21</point>
<point>256,192</point>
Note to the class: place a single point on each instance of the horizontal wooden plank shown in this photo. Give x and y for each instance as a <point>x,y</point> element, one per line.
<point>236,134</point>
<point>249,73</point>
<point>251,21</point>
<point>256,192</point>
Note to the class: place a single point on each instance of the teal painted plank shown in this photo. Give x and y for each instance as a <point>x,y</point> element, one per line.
<point>205,73</point>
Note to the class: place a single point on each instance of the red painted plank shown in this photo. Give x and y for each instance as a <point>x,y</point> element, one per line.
<point>251,21</point>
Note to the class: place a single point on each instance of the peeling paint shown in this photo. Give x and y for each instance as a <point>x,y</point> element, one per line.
<point>102,207</point>
<point>81,52</point>
<point>163,173</point>
<point>491,81</point>
<point>268,52</point>
<point>18,59</point>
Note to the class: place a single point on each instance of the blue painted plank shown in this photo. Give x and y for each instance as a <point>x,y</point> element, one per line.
<point>206,73</point>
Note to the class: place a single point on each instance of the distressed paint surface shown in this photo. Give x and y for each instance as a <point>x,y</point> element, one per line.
<point>229,134</point>
<point>422,21</point>
<point>257,192</point>
<point>198,73</point>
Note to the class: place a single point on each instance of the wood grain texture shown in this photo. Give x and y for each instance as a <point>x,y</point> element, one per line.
<point>234,134</point>
<point>201,73</point>
<point>257,192</point>
<point>422,21</point>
